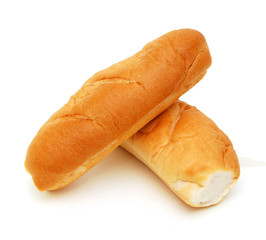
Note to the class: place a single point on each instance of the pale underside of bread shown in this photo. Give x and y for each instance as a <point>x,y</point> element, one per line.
<point>187,150</point>
<point>114,104</point>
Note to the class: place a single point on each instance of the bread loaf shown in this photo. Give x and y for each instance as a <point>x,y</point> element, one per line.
<point>114,104</point>
<point>189,153</point>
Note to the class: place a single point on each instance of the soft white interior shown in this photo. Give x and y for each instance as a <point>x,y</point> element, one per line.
<point>214,189</point>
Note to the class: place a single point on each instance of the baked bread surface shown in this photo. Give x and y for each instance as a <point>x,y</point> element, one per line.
<point>114,104</point>
<point>189,153</point>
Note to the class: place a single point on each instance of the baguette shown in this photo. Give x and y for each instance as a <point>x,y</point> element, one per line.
<point>189,153</point>
<point>113,105</point>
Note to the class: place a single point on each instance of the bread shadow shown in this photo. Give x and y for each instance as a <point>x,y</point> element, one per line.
<point>248,162</point>
<point>118,166</point>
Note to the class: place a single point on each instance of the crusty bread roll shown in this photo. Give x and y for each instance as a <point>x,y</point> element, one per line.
<point>189,153</point>
<point>114,104</point>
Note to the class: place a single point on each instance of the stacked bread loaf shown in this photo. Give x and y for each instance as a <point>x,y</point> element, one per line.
<point>116,105</point>
<point>189,153</point>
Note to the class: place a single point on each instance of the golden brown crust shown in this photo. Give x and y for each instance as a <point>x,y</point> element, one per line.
<point>114,104</point>
<point>184,145</point>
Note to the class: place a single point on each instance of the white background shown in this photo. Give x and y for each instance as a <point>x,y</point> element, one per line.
<point>48,49</point>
